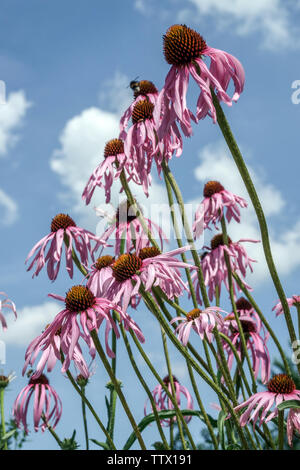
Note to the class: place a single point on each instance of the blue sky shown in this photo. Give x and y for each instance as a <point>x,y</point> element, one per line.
<point>66,66</point>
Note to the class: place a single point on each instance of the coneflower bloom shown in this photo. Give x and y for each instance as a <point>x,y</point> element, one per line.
<point>100,275</point>
<point>43,410</point>
<point>6,303</point>
<point>293,301</point>
<point>64,231</point>
<point>83,313</point>
<point>183,50</point>
<point>130,271</point>
<point>202,322</point>
<point>216,203</point>
<point>214,265</point>
<point>140,143</point>
<point>128,227</point>
<point>292,424</point>
<point>51,354</point>
<point>163,402</point>
<point>142,90</point>
<point>256,342</point>
<point>108,170</point>
<point>280,388</point>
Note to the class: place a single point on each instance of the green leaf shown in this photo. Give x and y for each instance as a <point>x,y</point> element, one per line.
<point>221,424</point>
<point>101,444</point>
<point>167,414</point>
<point>8,435</point>
<point>289,404</point>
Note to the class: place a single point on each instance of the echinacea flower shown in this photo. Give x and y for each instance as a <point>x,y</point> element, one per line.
<point>293,301</point>
<point>107,171</point>
<point>99,276</point>
<point>130,271</point>
<point>64,231</point>
<point>6,379</point>
<point>50,354</point>
<point>292,424</point>
<point>144,89</point>
<point>202,322</point>
<point>6,303</point>
<point>163,402</point>
<point>184,49</point>
<point>214,265</point>
<point>42,394</point>
<point>83,313</point>
<point>280,388</point>
<point>216,203</point>
<point>256,343</point>
<point>127,227</point>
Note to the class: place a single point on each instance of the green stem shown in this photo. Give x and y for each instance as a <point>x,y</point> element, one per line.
<point>83,407</point>
<point>88,404</point>
<point>5,446</point>
<point>280,429</point>
<point>113,393</point>
<point>116,384</point>
<point>236,315</point>
<point>145,386</point>
<point>170,178</point>
<point>52,432</point>
<point>153,307</point>
<point>163,334</point>
<point>237,156</point>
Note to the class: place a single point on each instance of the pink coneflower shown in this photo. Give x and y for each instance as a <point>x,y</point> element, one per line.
<point>214,265</point>
<point>292,302</point>
<point>130,271</point>
<point>162,401</point>
<point>63,232</point>
<point>280,388</point>
<point>201,321</point>
<point>108,170</point>
<point>42,394</point>
<point>83,313</point>
<point>183,50</point>
<point>4,304</point>
<point>256,343</point>
<point>216,203</point>
<point>142,90</point>
<point>100,275</point>
<point>51,354</point>
<point>127,226</point>
<point>292,424</point>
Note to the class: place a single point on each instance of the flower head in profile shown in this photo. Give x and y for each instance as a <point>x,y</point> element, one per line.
<point>293,301</point>
<point>163,402</point>
<point>100,275</point>
<point>216,203</point>
<point>127,226</point>
<point>64,231</point>
<point>6,303</point>
<point>6,379</point>
<point>184,50</point>
<point>256,342</point>
<point>47,406</point>
<point>107,171</point>
<point>215,268</point>
<point>202,322</point>
<point>83,313</point>
<point>262,406</point>
<point>292,424</point>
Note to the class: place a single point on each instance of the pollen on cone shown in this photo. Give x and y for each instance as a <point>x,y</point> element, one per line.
<point>182,45</point>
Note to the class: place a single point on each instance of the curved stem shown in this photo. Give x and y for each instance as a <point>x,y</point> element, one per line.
<point>237,156</point>
<point>86,434</point>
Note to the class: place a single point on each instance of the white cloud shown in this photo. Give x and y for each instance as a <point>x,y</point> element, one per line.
<point>10,209</point>
<point>217,164</point>
<point>270,18</point>
<point>12,114</point>
<point>30,323</point>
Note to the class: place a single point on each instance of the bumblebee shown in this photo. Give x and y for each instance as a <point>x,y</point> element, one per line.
<point>134,85</point>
